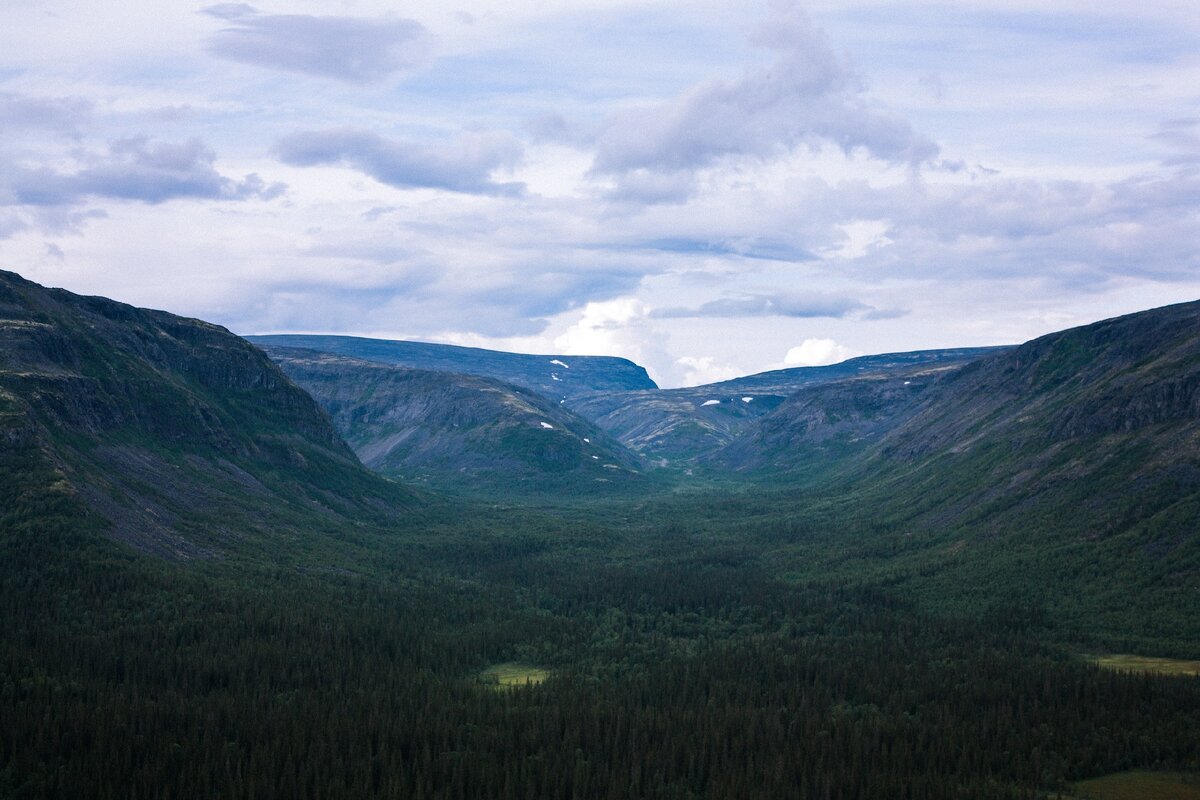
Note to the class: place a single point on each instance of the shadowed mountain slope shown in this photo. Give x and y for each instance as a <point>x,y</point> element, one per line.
<point>1065,471</point>
<point>555,377</point>
<point>183,438</point>
<point>1133,376</point>
<point>679,426</point>
<point>455,430</point>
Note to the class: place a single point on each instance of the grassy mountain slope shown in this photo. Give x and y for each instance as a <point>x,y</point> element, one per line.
<point>186,440</point>
<point>455,430</point>
<point>555,377</point>
<point>1065,472</point>
<point>681,426</point>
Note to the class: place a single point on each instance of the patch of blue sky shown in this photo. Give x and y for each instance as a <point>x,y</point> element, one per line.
<point>759,249</point>
<point>1125,38</point>
<point>611,59</point>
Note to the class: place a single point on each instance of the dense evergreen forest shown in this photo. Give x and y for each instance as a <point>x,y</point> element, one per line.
<point>681,666</point>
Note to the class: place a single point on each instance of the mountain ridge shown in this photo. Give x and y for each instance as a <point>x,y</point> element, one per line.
<point>558,377</point>
<point>456,431</point>
<point>155,421</point>
<point>683,426</point>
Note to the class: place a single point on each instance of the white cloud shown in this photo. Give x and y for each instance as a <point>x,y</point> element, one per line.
<point>817,353</point>
<point>699,370</point>
<point>351,49</point>
<point>809,95</point>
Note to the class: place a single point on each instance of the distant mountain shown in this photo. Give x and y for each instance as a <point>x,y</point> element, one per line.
<point>1127,378</point>
<point>556,377</point>
<point>182,438</point>
<point>678,426</point>
<point>452,430</point>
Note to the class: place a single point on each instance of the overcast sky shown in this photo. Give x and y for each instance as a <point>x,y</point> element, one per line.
<point>708,188</point>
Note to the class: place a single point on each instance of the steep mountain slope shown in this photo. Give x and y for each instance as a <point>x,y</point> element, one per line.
<point>448,429</point>
<point>555,377</point>
<point>1137,375</point>
<point>1065,471</point>
<point>183,438</point>
<point>678,426</point>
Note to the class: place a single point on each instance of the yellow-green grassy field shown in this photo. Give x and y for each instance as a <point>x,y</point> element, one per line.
<point>513,674</point>
<point>1147,664</point>
<point>1140,786</point>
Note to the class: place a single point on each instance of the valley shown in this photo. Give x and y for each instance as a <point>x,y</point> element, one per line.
<point>304,570</point>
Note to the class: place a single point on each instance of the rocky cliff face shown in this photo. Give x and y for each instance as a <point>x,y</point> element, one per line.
<point>554,377</point>
<point>459,431</point>
<point>155,421</point>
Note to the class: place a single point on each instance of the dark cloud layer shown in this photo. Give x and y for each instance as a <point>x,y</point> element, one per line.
<point>464,165</point>
<point>348,49</point>
<point>133,169</point>
<point>59,114</point>
<point>809,94</point>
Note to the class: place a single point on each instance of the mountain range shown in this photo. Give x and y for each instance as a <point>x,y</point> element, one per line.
<point>456,430</point>
<point>555,377</point>
<point>1015,468</point>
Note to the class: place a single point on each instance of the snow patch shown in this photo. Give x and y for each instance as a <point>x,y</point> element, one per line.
<point>560,363</point>
<point>547,426</point>
<point>906,383</point>
<point>747,399</point>
<point>596,457</point>
<point>554,377</point>
<point>711,403</point>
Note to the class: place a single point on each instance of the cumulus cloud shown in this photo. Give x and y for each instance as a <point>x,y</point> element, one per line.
<point>817,353</point>
<point>809,94</point>
<point>700,370</point>
<point>350,49</point>
<point>769,305</point>
<point>464,165</point>
<point>133,169</point>
<point>1067,234</point>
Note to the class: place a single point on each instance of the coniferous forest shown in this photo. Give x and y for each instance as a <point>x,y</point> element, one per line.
<point>693,673</point>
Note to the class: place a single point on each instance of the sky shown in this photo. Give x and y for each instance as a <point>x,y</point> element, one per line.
<point>708,188</point>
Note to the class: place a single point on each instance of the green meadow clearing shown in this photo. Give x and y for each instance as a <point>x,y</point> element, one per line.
<point>1138,785</point>
<point>1147,664</point>
<point>512,674</point>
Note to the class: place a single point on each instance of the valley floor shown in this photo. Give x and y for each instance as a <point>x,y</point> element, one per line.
<point>649,655</point>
